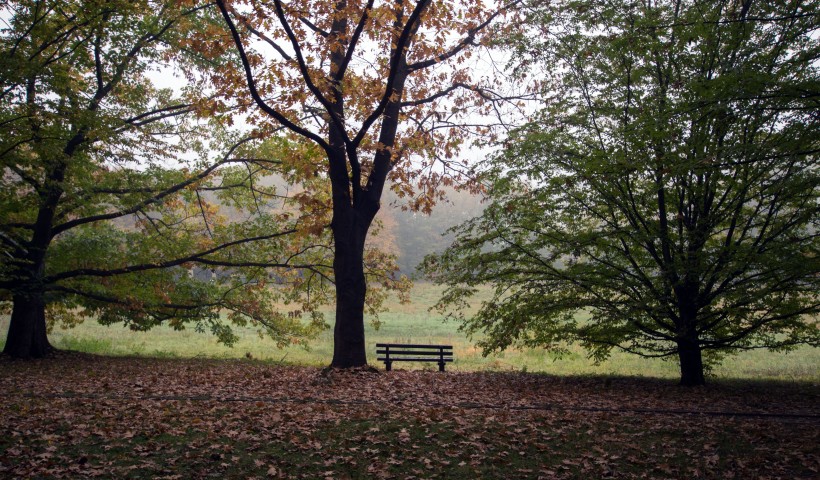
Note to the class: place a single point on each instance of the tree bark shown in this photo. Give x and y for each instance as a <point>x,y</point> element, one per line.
<point>27,330</point>
<point>27,336</point>
<point>691,363</point>
<point>350,226</point>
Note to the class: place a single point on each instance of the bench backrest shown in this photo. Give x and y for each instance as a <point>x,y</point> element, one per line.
<point>413,349</point>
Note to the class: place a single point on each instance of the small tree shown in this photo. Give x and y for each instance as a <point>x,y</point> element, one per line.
<point>116,205</point>
<point>381,89</point>
<point>668,189</point>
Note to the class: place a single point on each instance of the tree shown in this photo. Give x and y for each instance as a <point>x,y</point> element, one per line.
<point>668,189</point>
<point>386,87</point>
<point>131,203</point>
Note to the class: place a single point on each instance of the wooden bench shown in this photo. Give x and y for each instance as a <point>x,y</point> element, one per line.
<point>403,352</point>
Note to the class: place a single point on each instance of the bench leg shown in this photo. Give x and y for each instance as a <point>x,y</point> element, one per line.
<point>440,366</point>
<point>388,365</point>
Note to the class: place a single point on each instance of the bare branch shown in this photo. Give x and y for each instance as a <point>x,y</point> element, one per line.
<point>305,72</point>
<point>261,35</point>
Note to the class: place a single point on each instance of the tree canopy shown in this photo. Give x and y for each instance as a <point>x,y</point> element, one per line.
<point>128,202</point>
<point>665,199</point>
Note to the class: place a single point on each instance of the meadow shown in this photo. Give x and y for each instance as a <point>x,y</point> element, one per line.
<point>414,323</point>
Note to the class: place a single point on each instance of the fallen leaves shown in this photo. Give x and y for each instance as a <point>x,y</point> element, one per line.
<point>126,417</point>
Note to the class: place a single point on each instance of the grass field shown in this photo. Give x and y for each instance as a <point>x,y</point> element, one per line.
<point>414,323</point>
<point>198,409</point>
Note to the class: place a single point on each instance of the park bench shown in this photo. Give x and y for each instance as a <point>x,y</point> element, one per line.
<point>403,352</point>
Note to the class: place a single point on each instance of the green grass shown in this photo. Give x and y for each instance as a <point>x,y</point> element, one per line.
<point>414,323</point>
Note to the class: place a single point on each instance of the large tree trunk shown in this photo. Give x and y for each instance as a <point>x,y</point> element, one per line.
<point>691,363</point>
<point>27,329</point>
<point>349,233</point>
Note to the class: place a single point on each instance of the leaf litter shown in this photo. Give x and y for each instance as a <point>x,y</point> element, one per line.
<point>80,415</point>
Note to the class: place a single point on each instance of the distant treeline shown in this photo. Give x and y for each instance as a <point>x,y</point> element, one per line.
<point>412,235</point>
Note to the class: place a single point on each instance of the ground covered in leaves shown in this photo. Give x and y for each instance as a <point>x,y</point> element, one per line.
<point>78,415</point>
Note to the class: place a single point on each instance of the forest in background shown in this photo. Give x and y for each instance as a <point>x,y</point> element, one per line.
<point>412,235</point>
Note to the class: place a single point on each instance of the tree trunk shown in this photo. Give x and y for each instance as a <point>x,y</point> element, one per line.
<point>349,233</point>
<point>27,330</point>
<point>691,363</point>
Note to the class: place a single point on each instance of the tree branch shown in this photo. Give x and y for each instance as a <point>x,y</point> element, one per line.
<point>252,85</point>
<point>354,40</point>
<point>198,257</point>
<point>468,41</point>
<point>151,200</point>
<point>396,61</point>
<point>305,71</point>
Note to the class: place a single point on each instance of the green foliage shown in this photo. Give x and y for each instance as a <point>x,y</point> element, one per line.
<point>668,187</point>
